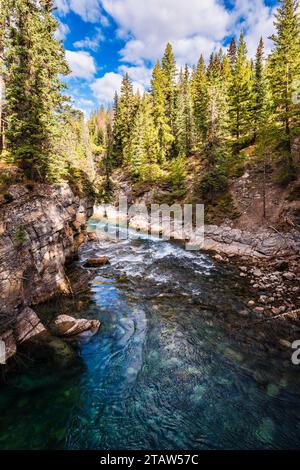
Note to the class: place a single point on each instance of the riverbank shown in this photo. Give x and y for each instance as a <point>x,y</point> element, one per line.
<point>41,228</point>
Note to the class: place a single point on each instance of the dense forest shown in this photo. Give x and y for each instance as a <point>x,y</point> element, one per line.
<point>211,112</point>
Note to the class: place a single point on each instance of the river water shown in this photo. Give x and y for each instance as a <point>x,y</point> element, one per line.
<point>175,364</point>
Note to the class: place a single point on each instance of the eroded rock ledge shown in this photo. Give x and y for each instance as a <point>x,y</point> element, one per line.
<point>40,229</point>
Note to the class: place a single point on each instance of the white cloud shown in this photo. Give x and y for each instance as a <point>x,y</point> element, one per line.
<point>104,88</point>
<point>62,6</point>
<point>62,31</point>
<point>92,43</point>
<point>152,23</point>
<point>82,64</point>
<point>256,19</point>
<point>89,10</point>
<point>140,74</point>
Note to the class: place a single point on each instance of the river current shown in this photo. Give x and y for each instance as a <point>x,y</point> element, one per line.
<point>175,364</point>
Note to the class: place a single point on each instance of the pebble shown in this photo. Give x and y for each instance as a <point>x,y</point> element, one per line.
<point>259,310</point>
<point>251,303</point>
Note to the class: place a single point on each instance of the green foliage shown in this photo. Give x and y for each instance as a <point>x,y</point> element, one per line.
<point>178,172</point>
<point>222,207</point>
<point>20,237</point>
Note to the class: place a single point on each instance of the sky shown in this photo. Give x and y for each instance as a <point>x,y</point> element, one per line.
<point>104,39</point>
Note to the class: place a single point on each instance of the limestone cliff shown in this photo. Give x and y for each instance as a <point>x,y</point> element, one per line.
<point>40,229</point>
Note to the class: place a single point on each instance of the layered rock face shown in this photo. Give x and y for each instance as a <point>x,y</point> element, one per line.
<point>39,230</point>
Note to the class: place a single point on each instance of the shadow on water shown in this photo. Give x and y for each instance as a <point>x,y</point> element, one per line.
<point>175,364</point>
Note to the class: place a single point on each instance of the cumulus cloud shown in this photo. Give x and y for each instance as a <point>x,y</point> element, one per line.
<point>82,64</point>
<point>88,10</point>
<point>256,19</point>
<point>62,31</point>
<point>104,88</point>
<point>150,24</point>
<point>92,43</point>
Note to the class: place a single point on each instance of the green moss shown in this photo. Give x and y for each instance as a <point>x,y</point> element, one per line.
<point>20,237</point>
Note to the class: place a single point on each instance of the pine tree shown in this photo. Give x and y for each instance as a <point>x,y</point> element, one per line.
<point>123,121</point>
<point>232,53</point>
<point>158,90</point>
<point>144,149</point>
<point>184,122</point>
<point>200,97</point>
<point>169,68</point>
<point>261,95</point>
<point>240,93</point>
<point>285,65</point>
<point>217,106</point>
<point>34,62</point>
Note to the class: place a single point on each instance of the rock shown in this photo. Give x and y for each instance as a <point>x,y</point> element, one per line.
<point>289,276</point>
<point>62,352</point>
<point>37,238</point>
<point>257,272</point>
<point>243,275</point>
<point>69,327</point>
<point>92,236</point>
<point>285,343</point>
<point>282,309</point>
<point>251,303</point>
<point>244,269</point>
<point>96,262</point>
<point>218,258</point>
<point>275,310</point>
<point>263,299</point>
<point>28,326</point>
<point>281,265</point>
<point>259,310</point>
<point>10,346</point>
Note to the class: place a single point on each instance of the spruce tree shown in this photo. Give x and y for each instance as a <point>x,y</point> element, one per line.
<point>34,62</point>
<point>240,93</point>
<point>200,97</point>
<point>261,95</point>
<point>124,115</point>
<point>285,65</point>
<point>159,95</point>
<point>169,68</point>
<point>184,120</point>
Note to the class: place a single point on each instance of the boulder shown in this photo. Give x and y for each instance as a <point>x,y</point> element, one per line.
<point>28,326</point>
<point>69,327</point>
<point>96,262</point>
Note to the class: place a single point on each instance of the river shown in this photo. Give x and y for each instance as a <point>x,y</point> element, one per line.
<point>175,364</point>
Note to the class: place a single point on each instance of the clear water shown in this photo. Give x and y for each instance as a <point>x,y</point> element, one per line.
<point>174,366</point>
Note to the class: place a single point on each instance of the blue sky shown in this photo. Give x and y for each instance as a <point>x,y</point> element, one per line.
<point>106,38</point>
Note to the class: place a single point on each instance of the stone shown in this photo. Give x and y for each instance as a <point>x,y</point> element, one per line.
<point>257,272</point>
<point>289,276</point>
<point>10,345</point>
<point>285,343</point>
<point>69,327</point>
<point>96,262</point>
<point>218,258</point>
<point>259,310</point>
<point>281,265</point>
<point>251,303</point>
<point>243,269</point>
<point>263,299</point>
<point>28,326</point>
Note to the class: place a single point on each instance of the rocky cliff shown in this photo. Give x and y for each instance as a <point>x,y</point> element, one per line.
<point>40,229</point>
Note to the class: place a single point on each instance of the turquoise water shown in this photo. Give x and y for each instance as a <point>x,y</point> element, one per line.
<point>174,365</point>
